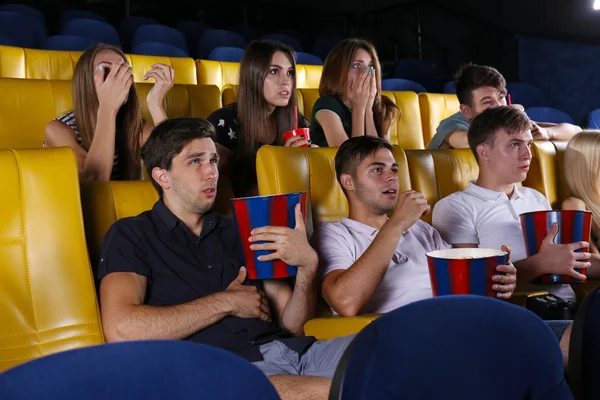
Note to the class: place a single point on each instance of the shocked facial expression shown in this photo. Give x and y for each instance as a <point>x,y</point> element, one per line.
<point>279,82</point>
<point>193,177</point>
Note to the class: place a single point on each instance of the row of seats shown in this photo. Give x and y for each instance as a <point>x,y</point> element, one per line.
<point>21,127</point>
<point>18,62</point>
<point>49,300</point>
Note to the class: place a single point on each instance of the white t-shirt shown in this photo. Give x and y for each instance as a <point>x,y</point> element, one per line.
<point>340,245</point>
<point>490,219</point>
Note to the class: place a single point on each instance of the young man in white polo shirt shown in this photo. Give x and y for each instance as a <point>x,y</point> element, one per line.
<point>486,214</point>
<point>372,263</point>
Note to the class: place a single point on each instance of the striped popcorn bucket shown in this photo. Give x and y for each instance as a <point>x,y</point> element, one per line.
<point>464,271</point>
<point>573,226</point>
<point>255,212</point>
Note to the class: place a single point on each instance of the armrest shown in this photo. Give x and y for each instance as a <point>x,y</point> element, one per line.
<point>335,326</point>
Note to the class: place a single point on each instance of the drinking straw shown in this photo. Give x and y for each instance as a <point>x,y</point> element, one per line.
<point>295,117</point>
<point>508,99</point>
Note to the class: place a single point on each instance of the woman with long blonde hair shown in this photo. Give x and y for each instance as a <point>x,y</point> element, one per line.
<point>351,103</point>
<point>105,127</point>
<point>582,173</point>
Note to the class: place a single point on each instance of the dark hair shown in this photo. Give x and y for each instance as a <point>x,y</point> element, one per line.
<point>471,77</point>
<point>168,139</point>
<point>354,151</point>
<point>334,80</point>
<point>484,127</point>
<point>253,111</point>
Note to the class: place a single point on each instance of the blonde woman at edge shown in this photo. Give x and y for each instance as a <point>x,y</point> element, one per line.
<point>105,127</point>
<point>582,173</point>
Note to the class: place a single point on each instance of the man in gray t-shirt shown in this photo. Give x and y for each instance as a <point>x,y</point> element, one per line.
<point>479,87</point>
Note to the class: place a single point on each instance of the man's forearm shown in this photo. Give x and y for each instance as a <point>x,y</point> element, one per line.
<point>143,322</point>
<point>563,131</point>
<point>301,305</point>
<point>354,287</point>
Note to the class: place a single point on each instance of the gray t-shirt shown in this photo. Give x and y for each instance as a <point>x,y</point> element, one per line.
<point>453,123</point>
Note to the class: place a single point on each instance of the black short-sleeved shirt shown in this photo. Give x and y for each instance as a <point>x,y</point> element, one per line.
<point>227,126</point>
<point>333,104</point>
<point>182,267</point>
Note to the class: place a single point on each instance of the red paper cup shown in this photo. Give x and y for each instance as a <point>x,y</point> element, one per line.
<point>297,132</point>
<point>255,212</point>
<point>573,226</point>
<point>464,270</point>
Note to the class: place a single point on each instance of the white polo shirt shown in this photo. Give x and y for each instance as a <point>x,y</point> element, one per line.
<point>490,219</point>
<point>340,245</point>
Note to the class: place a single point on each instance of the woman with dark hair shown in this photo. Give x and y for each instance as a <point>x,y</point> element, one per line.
<point>105,127</point>
<point>264,111</point>
<point>351,103</point>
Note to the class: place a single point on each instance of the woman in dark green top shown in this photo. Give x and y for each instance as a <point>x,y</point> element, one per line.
<point>351,103</point>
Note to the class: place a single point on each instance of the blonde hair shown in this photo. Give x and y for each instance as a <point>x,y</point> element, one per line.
<point>582,172</point>
<point>85,104</point>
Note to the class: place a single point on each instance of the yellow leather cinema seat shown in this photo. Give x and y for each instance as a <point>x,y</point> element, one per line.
<point>183,100</point>
<point>434,108</point>
<point>17,62</point>
<point>105,202</point>
<point>47,294</point>
<point>310,78</point>
<point>407,132</point>
<point>185,67</point>
<point>543,174</point>
<point>219,73</point>
<point>27,105</point>
<point>439,173</point>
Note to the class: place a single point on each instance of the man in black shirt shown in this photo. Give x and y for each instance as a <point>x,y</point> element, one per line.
<point>176,272</point>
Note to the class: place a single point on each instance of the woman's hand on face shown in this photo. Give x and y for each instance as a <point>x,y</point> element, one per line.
<point>358,91</point>
<point>163,76</point>
<point>372,89</point>
<point>114,89</point>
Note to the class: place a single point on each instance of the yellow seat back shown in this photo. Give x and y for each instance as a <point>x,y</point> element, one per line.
<point>436,107</point>
<point>17,62</point>
<point>406,132</point>
<point>48,300</point>
<point>26,107</point>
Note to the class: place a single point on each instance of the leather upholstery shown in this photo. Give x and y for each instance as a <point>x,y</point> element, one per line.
<point>17,62</point>
<point>311,77</point>
<point>543,172</point>
<point>407,132</point>
<point>27,105</point>
<point>563,188</point>
<point>306,100</point>
<point>48,302</point>
<point>434,108</point>
<point>183,100</point>
<point>219,73</point>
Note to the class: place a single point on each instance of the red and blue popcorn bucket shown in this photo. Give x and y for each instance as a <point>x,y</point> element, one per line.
<point>573,226</point>
<point>255,212</point>
<point>464,270</point>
